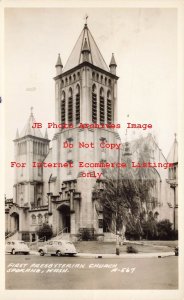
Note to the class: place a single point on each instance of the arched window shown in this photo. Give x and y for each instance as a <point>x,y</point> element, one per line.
<point>78,105</point>
<point>74,77</point>
<point>94,104</point>
<point>33,217</point>
<point>150,215</point>
<point>109,108</point>
<point>102,107</point>
<point>70,106</point>
<point>156,214</point>
<point>46,218</point>
<point>38,202</point>
<point>63,118</point>
<point>40,219</point>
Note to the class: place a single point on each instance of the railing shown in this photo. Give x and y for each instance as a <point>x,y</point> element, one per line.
<point>35,243</point>
<point>10,234</point>
<point>35,207</point>
<point>63,231</point>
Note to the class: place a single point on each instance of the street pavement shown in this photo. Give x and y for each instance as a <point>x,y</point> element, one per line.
<point>100,272</point>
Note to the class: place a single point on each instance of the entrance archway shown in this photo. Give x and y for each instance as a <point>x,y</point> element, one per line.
<point>15,221</point>
<point>64,218</point>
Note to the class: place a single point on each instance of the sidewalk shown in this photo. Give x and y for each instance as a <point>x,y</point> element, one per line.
<point>122,255</point>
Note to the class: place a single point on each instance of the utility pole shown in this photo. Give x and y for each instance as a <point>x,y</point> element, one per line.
<point>117,208</point>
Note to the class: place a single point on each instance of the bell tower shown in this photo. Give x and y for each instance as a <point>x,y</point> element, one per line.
<point>30,146</point>
<point>86,93</point>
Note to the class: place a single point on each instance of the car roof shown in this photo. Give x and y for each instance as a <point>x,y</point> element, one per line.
<point>65,241</point>
<point>15,241</point>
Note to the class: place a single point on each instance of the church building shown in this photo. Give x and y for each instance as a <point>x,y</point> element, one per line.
<point>57,184</point>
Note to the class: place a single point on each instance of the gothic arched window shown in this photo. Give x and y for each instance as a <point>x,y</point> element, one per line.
<point>70,106</point>
<point>109,108</point>
<point>33,217</point>
<point>21,202</point>
<point>63,117</point>
<point>102,106</point>
<point>46,218</point>
<point>156,214</point>
<point>94,104</point>
<point>40,219</point>
<point>38,202</point>
<point>77,104</point>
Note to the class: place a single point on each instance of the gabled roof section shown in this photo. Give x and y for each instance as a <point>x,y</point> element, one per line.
<point>173,154</point>
<point>76,57</point>
<point>136,144</point>
<point>28,130</point>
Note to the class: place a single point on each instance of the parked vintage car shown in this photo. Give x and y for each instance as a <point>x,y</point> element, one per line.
<point>176,251</point>
<point>16,246</point>
<point>58,247</point>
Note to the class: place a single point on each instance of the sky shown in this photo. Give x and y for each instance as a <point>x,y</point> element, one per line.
<point>143,40</point>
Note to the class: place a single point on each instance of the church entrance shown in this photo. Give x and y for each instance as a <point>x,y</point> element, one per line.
<point>14,221</point>
<point>64,218</point>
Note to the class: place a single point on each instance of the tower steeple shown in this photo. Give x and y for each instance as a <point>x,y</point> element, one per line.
<point>85,50</point>
<point>85,44</point>
<point>17,134</point>
<point>113,65</point>
<point>59,65</point>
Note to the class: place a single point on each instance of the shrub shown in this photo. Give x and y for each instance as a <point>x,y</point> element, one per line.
<point>131,249</point>
<point>174,234</point>
<point>45,231</point>
<point>150,231</point>
<point>132,233</point>
<point>86,235</point>
<point>164,230</point>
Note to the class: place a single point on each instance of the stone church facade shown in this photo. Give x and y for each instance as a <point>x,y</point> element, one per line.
<point>85,92</point>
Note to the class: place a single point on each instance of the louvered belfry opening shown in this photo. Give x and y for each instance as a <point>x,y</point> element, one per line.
<point>63,113</point>
<point>78,105</point>
<point>70,106</point>
<point>94,104</point>
<point>109,108</point>
<point>102,107</point>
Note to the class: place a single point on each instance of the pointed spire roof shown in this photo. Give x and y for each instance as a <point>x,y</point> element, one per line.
<point>17,134</point>
<point>113,62</point>
<point>28,130</point>
<point>95,57</point>
<point>59,62</point>
<point>85,46</point>
<point>46,134</point>
<point>173,154</point>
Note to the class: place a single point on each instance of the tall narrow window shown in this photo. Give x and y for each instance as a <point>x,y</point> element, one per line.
<point>63,118</point>
<point>40,219</point>
<point>109,108</point>
<point>33,219</point>
<point>70,106</point>
<point>94,104</point>
<point>102,107</point>
<point>78,105</point>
